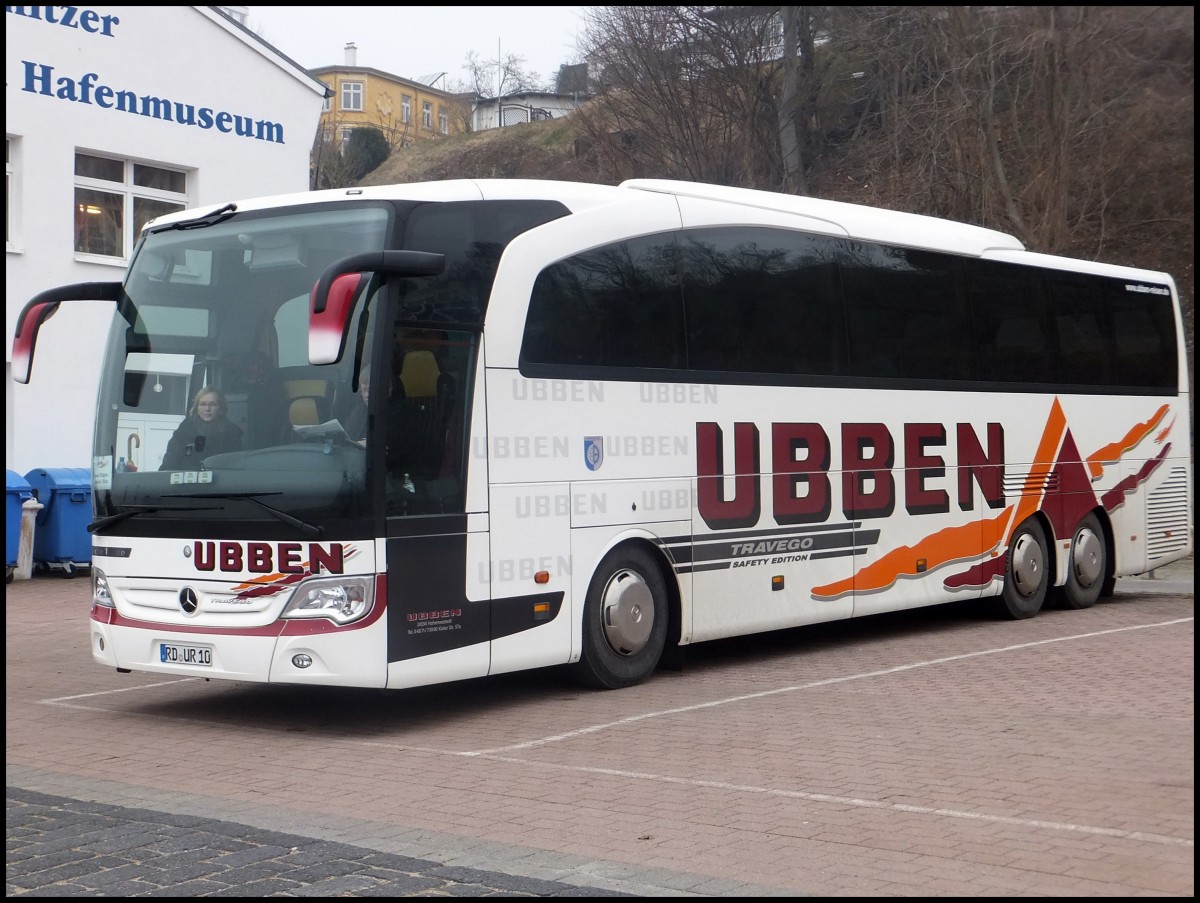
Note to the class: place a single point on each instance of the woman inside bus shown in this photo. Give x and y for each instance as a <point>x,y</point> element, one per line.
<point>205,431</point>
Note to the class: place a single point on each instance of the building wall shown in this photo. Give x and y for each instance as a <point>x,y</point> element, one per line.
<point>383,102</point>
<point>63,74</point>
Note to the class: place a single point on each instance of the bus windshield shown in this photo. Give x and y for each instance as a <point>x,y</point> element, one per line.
<point>209,409</point>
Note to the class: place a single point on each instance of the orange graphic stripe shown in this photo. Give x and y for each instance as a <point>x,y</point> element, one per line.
<point>1158,440</point>
<point>965,541</point>
<point>268,579</point>
<point>1043,462</point>
<point>951,544</point>
<point>1112,452</point>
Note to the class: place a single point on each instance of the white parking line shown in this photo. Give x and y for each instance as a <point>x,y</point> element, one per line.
<point>858,802</point>
<point>555,738</point>
<point>58,700</point>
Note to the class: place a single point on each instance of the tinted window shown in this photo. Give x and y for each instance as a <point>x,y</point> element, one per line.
<point>1013,329</point>
<point>758,300</point>
<point>617,306</point>
<point>762,301</point>
<point>906,313</point>
<point>1144,330</point>
<point>472,235</point>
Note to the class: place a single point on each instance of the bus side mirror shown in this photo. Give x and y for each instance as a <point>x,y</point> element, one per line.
<point>333,296</point>
<point>327,327</point>
<point>42,308</point>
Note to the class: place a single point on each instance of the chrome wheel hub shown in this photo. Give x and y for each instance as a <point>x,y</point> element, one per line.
<point>627,611</point>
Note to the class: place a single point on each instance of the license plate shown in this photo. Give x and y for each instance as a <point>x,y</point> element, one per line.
<point>179,654</point>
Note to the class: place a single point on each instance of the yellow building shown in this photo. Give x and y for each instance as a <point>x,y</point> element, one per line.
<point>406,111</point>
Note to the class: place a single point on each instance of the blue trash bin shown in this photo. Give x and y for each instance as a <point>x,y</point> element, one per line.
<point>61,540</point>
<point>16,493</point>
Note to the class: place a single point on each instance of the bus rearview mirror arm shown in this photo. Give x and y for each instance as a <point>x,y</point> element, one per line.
<point>42,308</point>
<point>337,288</point>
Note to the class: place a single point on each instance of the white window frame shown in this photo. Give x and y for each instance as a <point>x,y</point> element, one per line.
<point>427,114</point>
<point>129,193</point>
<point>353,96</point>
<point>405,109</point>
<point>443,121</point>
<point>12,147</point>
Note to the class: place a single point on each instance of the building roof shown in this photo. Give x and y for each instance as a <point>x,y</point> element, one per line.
<point>379,73</point>
<point>268,49</point>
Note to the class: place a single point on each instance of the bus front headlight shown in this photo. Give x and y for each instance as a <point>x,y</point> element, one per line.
<point>101,595</point>
<point>342,600</point>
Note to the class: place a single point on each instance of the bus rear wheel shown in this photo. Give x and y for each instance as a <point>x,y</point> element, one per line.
<point>1087,565</point>
<point>1026,572</point>
<point>624,621</point>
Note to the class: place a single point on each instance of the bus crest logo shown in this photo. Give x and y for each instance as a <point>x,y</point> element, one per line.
<point>593,451</point>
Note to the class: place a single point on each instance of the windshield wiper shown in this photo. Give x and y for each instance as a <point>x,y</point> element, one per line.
<point>134,510</point>
<point>303,526</point>
<point>209,219</point>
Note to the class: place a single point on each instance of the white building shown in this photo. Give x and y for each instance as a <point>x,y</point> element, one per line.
<point>115,115</point>
<point>526,106</point>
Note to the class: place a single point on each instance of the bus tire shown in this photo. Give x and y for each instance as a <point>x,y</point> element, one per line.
<point>1026,572</point>
<point>624,621</point>
<point>1087,565</point>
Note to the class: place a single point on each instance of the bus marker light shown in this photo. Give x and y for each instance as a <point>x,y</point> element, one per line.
<point>300,660</point>
<point>776,583</point>
<point>922,565</point>
<point>541,611</point>
<point>541,577</point>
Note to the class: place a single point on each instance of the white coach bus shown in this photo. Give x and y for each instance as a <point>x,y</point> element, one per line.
<point>608,422</point>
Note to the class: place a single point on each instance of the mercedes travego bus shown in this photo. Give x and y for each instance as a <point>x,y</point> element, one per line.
<point>606,422</point>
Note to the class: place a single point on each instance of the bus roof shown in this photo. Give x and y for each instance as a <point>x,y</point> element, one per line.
<point>856,221</point>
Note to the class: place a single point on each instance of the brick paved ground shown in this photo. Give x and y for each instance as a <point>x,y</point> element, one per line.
<point>935,754</point>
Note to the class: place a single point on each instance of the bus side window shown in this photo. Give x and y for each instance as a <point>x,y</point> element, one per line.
<point>1144,329</point>
<point>1082,328</point>
<point>1012,326</point>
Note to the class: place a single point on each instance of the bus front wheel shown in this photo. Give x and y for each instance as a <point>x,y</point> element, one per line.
<point>1026,572</point>
<point>624,621</point>
<point>1087,566</point>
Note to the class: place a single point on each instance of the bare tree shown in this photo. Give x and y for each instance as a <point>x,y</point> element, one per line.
<point>1028,119</point>
<point>724,94</point>
<point>327,165</point>
<point>501,76</point>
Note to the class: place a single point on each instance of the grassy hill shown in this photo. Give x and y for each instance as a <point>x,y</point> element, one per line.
<point>535,150</point>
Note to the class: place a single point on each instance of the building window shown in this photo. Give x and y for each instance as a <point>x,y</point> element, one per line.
<point>427,114</point>
<point>109,194</point>
<point>8,189</point>
<point>443,121</point>
<point>352,97</point>
<point>405,109</point>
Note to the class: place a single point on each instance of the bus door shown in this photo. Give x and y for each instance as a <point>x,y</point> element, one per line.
<point>436,546</point>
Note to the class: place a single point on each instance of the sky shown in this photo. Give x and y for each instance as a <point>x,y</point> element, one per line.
<point>418,41</point>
